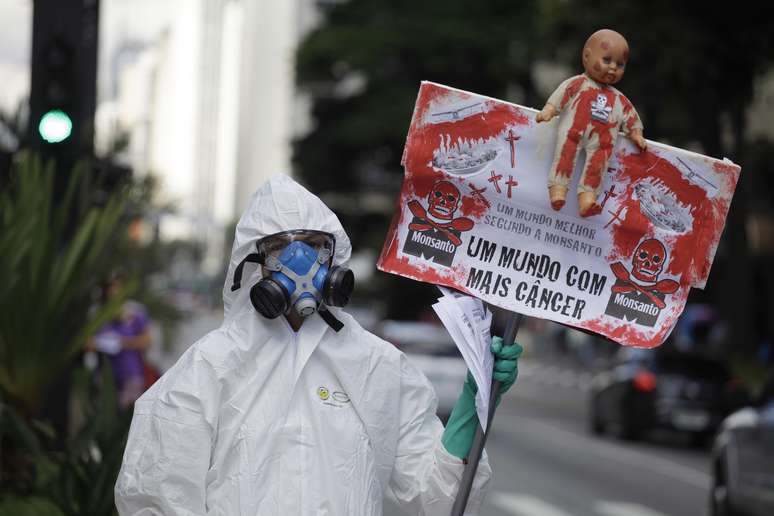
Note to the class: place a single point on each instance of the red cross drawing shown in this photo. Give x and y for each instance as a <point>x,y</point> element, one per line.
<point>495,178</point>
<point>511,183</point>
<point>608,194</point>
<point>616,216</point>
<point>478,193</point>
<point>511,138</point>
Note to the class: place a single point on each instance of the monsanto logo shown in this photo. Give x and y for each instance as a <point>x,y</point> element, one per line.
<point>638,296</point>
<point>434,233</point>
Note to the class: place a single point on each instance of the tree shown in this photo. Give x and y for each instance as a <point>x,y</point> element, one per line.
<point>362,69</point>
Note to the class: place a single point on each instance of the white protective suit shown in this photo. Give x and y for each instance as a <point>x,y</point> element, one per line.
<point>256,419</point>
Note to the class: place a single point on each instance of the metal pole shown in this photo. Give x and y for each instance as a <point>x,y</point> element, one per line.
<point>477,448</point>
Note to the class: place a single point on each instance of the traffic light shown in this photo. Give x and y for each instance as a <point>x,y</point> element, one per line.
<point>55,126</point>
<point>63,82</point>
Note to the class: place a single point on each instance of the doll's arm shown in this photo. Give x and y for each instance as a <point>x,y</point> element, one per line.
<point>560,98</point>
<point>547,113</point>
<point>631,125</point>
<point>636,136</point>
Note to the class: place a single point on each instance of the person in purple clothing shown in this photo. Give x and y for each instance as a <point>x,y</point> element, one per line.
<point>123,340</point>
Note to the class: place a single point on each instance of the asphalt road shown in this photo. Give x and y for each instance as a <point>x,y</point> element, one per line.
<point>546,463</point>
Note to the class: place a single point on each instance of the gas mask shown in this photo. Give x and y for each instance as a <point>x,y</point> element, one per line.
<point>298,274</point>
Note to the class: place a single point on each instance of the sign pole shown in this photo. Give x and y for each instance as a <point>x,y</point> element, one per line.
<point>477,448</point>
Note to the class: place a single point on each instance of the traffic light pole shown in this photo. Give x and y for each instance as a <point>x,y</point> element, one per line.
<point>63,80</point>
<point>61,118</point>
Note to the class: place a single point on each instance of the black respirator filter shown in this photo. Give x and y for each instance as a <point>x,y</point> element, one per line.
<point>338,287</point>
<point>269,298</point>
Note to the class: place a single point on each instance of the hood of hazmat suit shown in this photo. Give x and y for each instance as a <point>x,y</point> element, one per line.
<point>256,419</point>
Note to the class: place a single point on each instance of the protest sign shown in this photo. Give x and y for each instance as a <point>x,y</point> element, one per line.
<point>474,215</point>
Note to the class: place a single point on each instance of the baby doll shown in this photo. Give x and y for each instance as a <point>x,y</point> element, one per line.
<point>593,112</point>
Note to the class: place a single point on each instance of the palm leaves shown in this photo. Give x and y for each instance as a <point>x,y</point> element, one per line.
<point>53,252</point>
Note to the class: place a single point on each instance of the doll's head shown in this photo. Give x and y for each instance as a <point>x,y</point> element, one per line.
<point>605,55</point>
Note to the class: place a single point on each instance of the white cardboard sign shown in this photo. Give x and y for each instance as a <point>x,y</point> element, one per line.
<point>474,215</point>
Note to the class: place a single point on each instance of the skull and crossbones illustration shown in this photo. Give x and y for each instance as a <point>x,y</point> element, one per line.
<point>600,110</point>
<point>442,202</point>
<point>648,260</point>
<point>647,264</point>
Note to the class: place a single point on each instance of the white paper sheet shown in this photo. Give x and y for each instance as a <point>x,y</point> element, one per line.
<point>467,320</point>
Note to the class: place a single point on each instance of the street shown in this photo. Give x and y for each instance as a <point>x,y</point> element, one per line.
<point>227,226</point>
<point>546,463</point>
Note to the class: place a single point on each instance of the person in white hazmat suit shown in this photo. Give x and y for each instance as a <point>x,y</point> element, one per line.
<point>306,414</point>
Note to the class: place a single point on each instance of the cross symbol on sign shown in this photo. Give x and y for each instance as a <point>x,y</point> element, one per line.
<point>511,183</point>
<point>608,194</point>
<point>616,216</point>
<point>495,178</point>
<point>511,138</point>
<point>478,193</point>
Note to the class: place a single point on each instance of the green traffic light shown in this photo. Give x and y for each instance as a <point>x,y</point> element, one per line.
<point>55,126</point>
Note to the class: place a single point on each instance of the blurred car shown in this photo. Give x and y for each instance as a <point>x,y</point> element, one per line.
<point>646,389</point>
<point>432,350</point>
<point>743,460</point>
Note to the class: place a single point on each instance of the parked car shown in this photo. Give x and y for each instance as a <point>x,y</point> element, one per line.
<point>743,460</point>
<point>432,350</point>
<point>645,389</point>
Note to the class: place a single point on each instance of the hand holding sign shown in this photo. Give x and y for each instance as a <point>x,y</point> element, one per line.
<point>467,320</point>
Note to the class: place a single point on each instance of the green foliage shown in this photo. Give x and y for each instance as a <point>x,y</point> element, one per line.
<point>363,69</point>
<point>28,506</point>
<point>40,479</point>
<point>53,253</point>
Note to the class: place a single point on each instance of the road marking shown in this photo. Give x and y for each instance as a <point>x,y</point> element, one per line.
<point>628,457</point>
<point>552,380</point>
<point>605,508</point>
<point>524,505</point>
<point>569,379</point>
<point>553,375</point>
<point>584,381</point>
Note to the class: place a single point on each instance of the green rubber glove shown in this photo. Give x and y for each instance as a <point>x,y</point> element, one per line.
<point>461,428</point>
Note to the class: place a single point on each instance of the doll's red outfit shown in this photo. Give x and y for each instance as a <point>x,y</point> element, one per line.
<point>592,115</point>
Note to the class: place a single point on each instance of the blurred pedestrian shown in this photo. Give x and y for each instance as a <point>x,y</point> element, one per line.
<point>123,340</point>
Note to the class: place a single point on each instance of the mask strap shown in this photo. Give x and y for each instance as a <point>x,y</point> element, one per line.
<point>329,318</point>
<point>252,258</point>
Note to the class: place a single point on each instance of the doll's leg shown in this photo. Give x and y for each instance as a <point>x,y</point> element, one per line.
<point>565,156</point>
<point>597,158</point>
